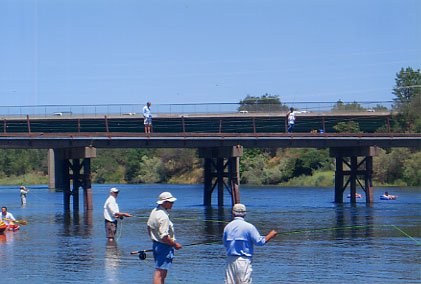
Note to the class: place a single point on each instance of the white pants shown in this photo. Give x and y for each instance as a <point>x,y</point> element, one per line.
<point>238,270</point>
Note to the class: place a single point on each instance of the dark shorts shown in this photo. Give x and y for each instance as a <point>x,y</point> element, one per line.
<point>110,229</point>
<point>163,255</point>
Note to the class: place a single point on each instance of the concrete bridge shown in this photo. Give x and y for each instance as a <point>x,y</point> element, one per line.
<point>72,143</point>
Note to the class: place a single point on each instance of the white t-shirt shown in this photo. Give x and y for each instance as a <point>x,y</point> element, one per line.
<point>110,208</point>
<point>147,112</point>
<point>291,118</point>
<point>8,216</point>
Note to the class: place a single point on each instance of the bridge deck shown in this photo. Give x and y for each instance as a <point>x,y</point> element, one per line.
<point>201,131</point>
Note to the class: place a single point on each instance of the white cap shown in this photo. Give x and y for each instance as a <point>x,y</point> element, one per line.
<point>115,190</point>
<point>166,196</point>
<point>239,209</point>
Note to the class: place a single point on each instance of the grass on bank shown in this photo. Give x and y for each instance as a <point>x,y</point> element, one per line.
<point>318,179</point>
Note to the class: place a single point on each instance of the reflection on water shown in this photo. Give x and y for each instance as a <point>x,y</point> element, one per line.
<point>57,247</point>
<point>112,261</point>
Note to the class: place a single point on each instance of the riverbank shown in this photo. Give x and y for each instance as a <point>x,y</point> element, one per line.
<point>318,179</point>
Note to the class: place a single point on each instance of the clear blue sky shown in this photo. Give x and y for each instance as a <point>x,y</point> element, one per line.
<point>198,51</point>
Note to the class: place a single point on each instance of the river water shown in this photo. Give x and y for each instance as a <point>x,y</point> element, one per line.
<point>380,243</point>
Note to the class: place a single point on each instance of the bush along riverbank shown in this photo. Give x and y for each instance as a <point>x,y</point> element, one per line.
<point>259,167</point>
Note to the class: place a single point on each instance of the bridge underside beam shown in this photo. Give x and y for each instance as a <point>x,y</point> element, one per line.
<point>358,170</point>
<point>65,167</point>
<point>221,163</point>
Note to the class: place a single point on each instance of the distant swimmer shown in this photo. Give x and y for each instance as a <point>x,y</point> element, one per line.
<point>387,196</point>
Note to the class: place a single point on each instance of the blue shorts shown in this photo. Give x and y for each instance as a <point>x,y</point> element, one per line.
<point>163,255</point>
<point>147,121</point>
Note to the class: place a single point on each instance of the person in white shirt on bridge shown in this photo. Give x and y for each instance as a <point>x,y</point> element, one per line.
<point>111,213</point>
<point>147,117</point>
<point>291,119</point>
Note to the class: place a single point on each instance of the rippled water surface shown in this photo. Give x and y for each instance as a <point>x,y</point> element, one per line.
<point>377,244</point>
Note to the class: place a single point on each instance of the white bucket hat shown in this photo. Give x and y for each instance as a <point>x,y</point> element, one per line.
<point>166,196</point>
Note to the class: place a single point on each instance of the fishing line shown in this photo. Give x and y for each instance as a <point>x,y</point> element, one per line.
<point>119,229</point>
<point>351,227</point>
<point>311,230</point>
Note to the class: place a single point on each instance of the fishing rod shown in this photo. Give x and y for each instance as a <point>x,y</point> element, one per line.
<point>142,253</point>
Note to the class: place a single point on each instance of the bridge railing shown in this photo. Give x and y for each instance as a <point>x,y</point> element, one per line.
<point>194,108</point>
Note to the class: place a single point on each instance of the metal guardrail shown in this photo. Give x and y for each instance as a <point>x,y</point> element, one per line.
<point>184,109</point>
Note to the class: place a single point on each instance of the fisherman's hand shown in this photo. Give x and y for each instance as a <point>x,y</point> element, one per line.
<point>271,235</point>
<point>177,246</point>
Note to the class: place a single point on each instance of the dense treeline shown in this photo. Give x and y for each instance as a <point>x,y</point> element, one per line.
<point>302,167</point>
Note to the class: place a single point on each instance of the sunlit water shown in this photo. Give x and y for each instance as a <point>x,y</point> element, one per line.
<point>59,248</point>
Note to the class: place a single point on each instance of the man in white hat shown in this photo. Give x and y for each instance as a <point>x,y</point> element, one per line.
<point>239,239</point>
<point>111,213</point>
<point>161,231</point>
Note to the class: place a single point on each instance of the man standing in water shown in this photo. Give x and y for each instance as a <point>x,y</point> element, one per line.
<point>147,117</point>
<point>23,193</point>
<point>239,239</point>
<point>111,213</point>
<point>161,231</point>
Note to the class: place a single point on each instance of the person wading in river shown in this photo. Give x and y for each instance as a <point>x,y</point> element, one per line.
<point>161,231</point>
<point>111,213</point>
<point>239,238</point>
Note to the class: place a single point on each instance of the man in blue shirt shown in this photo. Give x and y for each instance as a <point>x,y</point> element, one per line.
<point>147,117</point>
<point>239,239</point>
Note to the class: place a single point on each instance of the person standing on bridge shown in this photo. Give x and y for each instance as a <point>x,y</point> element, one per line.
<point>147,117</point>
<point>161,231</point>
<point>239,238</point>
<point>291,119</point>
<point>111,213</point>
<point>23,193</point>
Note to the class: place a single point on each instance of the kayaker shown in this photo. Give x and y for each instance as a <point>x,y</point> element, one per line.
<point>161,232</point>
<point>23,193</point>
<point>8,219</point>
<point>239,238</point>
<point>111,213</point>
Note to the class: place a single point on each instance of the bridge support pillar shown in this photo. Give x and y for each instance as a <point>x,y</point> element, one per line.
<point>220,163</point>
<point>357,170</point>
<point>65,166</point>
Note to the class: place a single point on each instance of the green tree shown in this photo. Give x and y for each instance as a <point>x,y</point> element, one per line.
<point>407,99</point>
<point>412,169</point>
<point>347,127</point>
<point>265,103</point>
